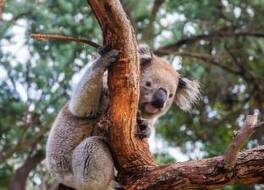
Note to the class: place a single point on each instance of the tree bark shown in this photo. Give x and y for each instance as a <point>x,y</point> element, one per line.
<point>129,151</point>
<point>206,174</point>
<point>136,169</point>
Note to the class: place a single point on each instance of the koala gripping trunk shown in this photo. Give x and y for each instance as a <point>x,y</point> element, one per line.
<point>130,153</point>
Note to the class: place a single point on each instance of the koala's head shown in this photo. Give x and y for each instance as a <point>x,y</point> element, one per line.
<point>161,86</point>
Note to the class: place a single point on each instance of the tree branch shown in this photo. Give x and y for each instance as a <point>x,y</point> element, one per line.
<point>206,173</point>
<point>19,178</point>
<point>56,37</point>
<point>221,33</point>
<point>214,60</point>
<point>148,30</point>
<point>240,138</point>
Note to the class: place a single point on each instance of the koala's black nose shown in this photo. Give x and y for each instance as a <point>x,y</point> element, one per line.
<point>159,98</point>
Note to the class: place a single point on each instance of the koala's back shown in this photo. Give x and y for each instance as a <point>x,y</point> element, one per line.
<point>66,133</point>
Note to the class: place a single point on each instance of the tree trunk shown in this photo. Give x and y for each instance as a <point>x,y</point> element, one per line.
<point>129,152</point>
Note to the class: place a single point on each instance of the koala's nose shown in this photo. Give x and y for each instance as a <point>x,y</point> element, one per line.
<point>159,98</point>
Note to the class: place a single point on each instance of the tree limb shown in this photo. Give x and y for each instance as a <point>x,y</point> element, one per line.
<point>19,178</point>
<point>148,30</point>
<point>206,173</point>
<point>221,33</point>
<point>214,60</point>
<point>56,37</point>
<point>240,138</point>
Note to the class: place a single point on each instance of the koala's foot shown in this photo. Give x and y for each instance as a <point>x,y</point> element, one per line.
<point>144,130</point>
<point>108,56</point>
<point>92,164</point>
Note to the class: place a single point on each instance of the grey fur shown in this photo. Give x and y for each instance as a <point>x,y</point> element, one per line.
<point>86,98</point>
<point>69,141</point>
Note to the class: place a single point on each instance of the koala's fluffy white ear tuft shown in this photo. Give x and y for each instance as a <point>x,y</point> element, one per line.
<point>145,53</point>
<point>187,93</point>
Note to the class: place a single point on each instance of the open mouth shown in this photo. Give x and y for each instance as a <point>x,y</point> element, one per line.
<point>150,108</point>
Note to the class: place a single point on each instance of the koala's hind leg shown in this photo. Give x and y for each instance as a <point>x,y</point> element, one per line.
<point>86,97</point>
<point>92,165</point>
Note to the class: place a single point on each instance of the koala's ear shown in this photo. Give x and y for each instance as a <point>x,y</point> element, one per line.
<point>187,93</point>
<point>145,54</point>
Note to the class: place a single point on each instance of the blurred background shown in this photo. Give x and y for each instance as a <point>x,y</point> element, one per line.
<point>219,42</point>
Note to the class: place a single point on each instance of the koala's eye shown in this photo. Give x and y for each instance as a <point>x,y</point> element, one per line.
<point>148,84</point>
<point>170,95</point>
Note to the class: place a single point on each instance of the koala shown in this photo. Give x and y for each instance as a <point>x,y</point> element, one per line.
<point>161,86</point>
<point>82,161</point>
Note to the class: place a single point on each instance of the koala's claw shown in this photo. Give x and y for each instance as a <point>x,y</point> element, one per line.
<point>143,129</point>
<point>113,55</point>
<point>141,124</point>
<point>109,57</point>
<point>144,133</point>
<point>103,50</point>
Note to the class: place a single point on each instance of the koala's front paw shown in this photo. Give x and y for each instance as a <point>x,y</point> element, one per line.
<point>144,133</point>
<point>93,115</point>
<point>108,56</point>
<point>144,130</point>
<point>103,50</point>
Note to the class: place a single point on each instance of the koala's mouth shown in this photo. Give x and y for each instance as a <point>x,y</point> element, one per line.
<point>150,109</point>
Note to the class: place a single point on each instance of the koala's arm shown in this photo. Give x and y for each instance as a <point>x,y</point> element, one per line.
<point>86,97</point>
